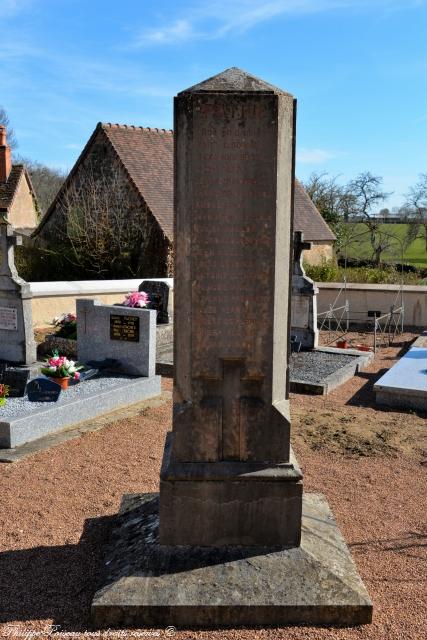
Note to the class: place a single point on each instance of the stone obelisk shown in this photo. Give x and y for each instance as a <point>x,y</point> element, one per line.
<point>229,476</point>
<point>236,542</point>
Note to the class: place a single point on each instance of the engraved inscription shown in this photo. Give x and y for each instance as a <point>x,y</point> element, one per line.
<point>125,328</point>
<point>233,235</point>
<point>8,319</point>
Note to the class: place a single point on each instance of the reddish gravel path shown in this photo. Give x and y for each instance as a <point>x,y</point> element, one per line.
<point>56,508</point>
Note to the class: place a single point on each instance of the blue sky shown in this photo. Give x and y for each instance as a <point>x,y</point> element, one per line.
<point>357,67</point>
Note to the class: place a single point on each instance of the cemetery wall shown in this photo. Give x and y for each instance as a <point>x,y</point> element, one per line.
<point>51,299</point>
<point>376,297</point>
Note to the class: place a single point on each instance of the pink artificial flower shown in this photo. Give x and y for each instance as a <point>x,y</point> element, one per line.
<point>77,375</point>
<point>54,362</point>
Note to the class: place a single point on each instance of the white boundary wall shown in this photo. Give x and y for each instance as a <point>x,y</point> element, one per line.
<point>51,299</point>
<point>376,297</point>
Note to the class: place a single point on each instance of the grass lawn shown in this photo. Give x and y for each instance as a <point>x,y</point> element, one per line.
<point>415,254</point>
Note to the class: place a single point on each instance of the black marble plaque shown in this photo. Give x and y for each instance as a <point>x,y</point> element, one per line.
<point>124,328</point>
<point>15,378</point>
<point>43,390</point>
<point>159,298</point>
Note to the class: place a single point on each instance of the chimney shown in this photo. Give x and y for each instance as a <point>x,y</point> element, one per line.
<point>5,157</point>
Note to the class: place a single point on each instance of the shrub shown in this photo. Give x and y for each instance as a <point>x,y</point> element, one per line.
<point>329,271</point>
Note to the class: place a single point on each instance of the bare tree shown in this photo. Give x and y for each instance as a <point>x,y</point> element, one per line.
<point>415,210</point>
<point>103,223</point>
<point>365,195</point>
<point>329,197</point>
<point>5,121</point>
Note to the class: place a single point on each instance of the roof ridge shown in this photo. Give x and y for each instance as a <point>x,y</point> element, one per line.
<point>116,125</point>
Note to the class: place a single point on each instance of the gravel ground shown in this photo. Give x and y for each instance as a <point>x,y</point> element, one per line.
<point>22,406</point>
<point>56,510</point>
<point>315,366</point>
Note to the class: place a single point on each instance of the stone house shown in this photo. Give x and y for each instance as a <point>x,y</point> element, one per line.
<point>308,220</point>
<point>116,205</point>
<point>140,162</point>
<point>18,201</point>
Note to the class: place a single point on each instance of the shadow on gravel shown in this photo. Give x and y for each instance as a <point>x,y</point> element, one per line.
<point>406,544</point>
<point>55,583</point>
<point>365,396</point>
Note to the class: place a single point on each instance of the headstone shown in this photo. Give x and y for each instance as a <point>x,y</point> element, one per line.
<point>17,344</point>
<point>227,550</point>
<point>304,298</point>
<point>124,334</point>
<point>15,378</point>
<point>159,298</point>
<point>43,390</point>
<point>231,416</point>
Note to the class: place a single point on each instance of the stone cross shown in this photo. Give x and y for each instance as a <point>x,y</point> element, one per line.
<point>299,247</point>
<point>17,344</point>
<point>304,299</point>
<point>234,137</point>
<point>8,240</point>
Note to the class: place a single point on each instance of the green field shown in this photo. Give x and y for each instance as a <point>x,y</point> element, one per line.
<point>360,246</point>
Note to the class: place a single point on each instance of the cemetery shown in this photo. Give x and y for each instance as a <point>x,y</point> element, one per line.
<point>199,440</point>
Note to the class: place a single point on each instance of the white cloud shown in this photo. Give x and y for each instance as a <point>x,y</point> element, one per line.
<point>216,19</point>
<point>178,31</point>
<point>314,156</point>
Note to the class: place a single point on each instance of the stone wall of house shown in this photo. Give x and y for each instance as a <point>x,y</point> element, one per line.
<point>23,214</point>
<point>319,251</point>
<point>150,252</point>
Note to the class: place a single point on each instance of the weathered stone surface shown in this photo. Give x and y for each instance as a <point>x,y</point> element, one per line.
<point>136,352</point>
<point>17,344</point>
<point>234,162</point>
<point>266,498</point>
<point>155,585</point>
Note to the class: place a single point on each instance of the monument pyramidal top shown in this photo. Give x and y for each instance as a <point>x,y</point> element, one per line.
<point>234,80</point>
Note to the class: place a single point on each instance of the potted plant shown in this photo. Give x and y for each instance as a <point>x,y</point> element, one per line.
<point>4,392</point>
<point>342,344</point>
<point>60,369</point>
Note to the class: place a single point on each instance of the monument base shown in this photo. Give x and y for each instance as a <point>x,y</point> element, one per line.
<point>148,584</point>
<point>216,504</point>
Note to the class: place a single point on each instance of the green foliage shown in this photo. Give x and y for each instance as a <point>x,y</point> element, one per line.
<point>329,271</point>
<point>356,239</point>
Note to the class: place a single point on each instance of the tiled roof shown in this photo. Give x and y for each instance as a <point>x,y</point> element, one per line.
<point>8,189</point>
<point>147,155</point>
<point>308,219</point>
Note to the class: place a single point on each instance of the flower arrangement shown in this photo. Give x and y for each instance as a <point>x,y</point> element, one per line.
<point>66,326</point>
<point>137,299</point>
<point>4,392</point>
<point>60,367</point>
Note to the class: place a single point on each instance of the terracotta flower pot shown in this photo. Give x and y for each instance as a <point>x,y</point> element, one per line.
<point>63,382</point>
<point>342,344</point>
<point>363,347</point>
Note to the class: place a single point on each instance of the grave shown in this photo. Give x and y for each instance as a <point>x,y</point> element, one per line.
<point>231,540</point>
<point>126,334</point>
<point>118,345</point>
<point>405,383</point>
<point>303,300</point>
<point>17,344</point>
<point>159,299</point>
